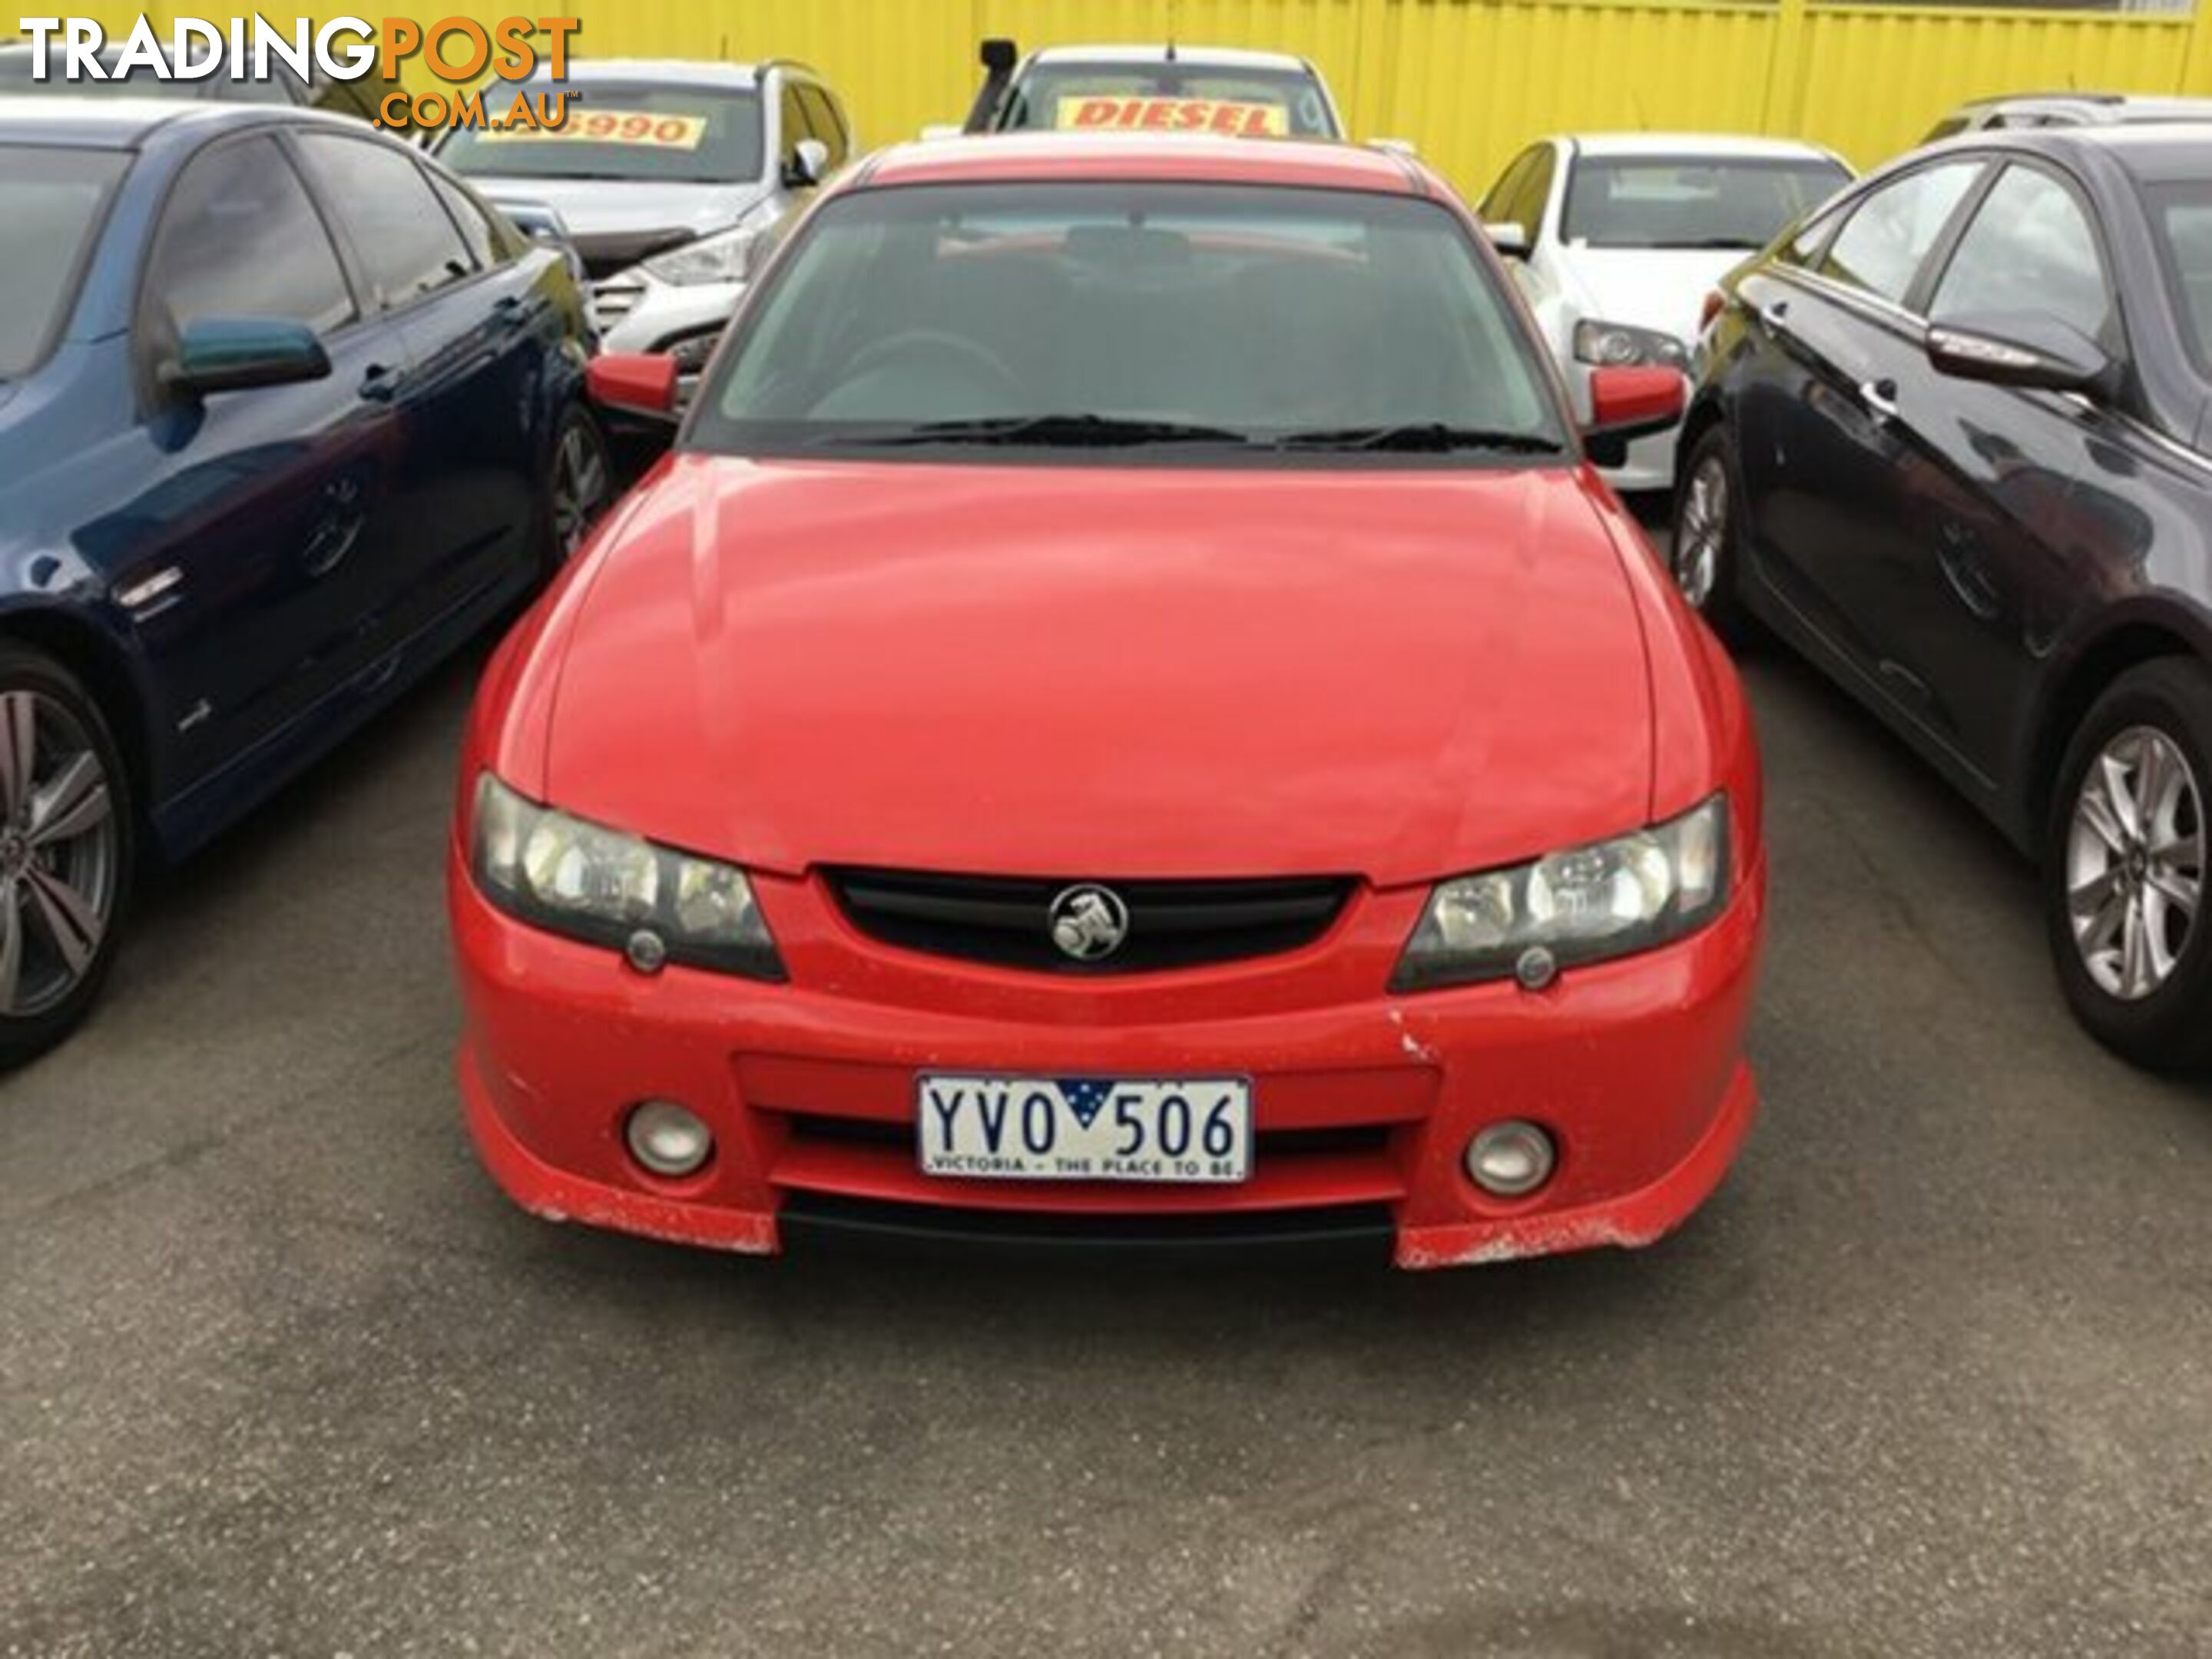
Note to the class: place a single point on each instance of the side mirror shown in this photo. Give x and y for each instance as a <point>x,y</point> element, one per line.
<point>2021,350</point>
<point>640,382</point>
<point>232,354</point>
<point>1509,238</point>
<point>808,166</point>
<point>999,55</point>
<point>1627,403</point>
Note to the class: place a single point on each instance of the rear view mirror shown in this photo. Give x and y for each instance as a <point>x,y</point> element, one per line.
<point>638,382</point>
<point>1627,403</point>
<point>2038,353</point>
<point>1509,238</point>
<point>232,354</point>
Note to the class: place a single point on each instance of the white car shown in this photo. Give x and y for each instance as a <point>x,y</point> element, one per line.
<point>1617,238</point>
<point>1067,86</point>
<point>671,178</point>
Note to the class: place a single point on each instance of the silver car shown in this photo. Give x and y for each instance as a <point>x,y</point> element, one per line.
<point>672,179</point>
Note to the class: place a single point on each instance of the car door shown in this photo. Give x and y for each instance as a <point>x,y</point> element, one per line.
<point>2004,544</point>
<point>1835,342</point>
<point>240,561</point>
<point>475,334</point>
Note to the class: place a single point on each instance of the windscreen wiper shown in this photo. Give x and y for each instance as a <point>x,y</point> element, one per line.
<point>1420,437</point>
<point>1047,431</point>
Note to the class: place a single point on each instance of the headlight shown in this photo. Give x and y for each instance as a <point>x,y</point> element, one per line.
<point>728,256</point>
<point>1617,345</point>
<point>1608,899</point>
<point>604,887</point>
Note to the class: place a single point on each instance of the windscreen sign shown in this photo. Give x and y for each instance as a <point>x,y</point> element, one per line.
<point>480,61</point>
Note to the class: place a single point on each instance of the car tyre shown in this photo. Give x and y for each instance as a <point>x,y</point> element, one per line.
<point>579,485</point>
<point>2124,868</point>
<point>1704,553</point>
<point>66,852</point>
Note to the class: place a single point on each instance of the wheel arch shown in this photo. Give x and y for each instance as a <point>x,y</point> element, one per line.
<point>2136,635</point>
<point>94,658</point>
<point>1706,413</point>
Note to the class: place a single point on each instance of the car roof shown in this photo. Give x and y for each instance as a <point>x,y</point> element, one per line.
<point>2118,105</point>
<point>1738,144</point>
<point>2156,152</point>
<point>100,122</point>
<point>1190,56</point>
<point>671,71</point>
<point>1140,157</point>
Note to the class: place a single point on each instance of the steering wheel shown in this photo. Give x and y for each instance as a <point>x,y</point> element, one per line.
<point>921,344</point>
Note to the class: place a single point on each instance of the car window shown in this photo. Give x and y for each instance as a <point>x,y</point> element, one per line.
<point>240,237</point>
<point>1804,248</point>
<point>1534,195</point>
<point>2030,248</point>
<point>623,129</point>
<point>2181,224</point>
<point>1105,96</point>
<point>1496,205</point>
<point>796,126</point>
<point>1692,201</point>
<point>407,240</point>
<point>1250,309</point>
<point>476,228</point>
<point>822,118</point>
<point>52,201</point>
<point>1882,244</point>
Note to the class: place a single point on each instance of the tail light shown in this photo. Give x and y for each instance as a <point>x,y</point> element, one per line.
<point>1715,300</point>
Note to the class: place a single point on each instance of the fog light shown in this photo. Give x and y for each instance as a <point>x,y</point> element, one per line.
<point>1511,1160</point>
<point>666,1139</point>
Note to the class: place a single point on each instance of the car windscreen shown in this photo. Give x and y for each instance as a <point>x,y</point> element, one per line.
<point>1692,201</point>
<point>1167,97</point>
<point>1204,320</point>
<point>646,131</point>
<point>2181,219</point>
<point>52,201</point>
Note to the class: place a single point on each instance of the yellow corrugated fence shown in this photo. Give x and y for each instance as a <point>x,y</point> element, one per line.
<point>1467,80</point>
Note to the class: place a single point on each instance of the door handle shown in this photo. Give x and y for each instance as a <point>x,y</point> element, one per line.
<point>379,383</point>
<point>1881,398</point>
<point>1776,316</point>
<point>512,310</point>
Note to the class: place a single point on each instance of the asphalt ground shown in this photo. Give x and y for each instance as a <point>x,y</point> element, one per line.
<point>281,1372</point>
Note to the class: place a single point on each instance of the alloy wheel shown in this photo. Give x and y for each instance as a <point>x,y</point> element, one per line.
<point>2134,862</point>
<point>60,852</point>
<point>1700,537</point>
<point>580,485</point>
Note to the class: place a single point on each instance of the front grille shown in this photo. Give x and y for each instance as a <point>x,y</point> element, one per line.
<point>1006,921</point>
<point>1328,1231</point>
<point>614,300</point>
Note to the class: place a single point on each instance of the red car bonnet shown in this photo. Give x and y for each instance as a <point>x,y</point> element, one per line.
<point>1090,670</point>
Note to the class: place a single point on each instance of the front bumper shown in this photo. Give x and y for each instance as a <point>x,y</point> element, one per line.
<point>1363,1101</point>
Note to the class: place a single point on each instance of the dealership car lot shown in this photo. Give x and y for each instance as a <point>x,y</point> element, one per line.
<point>283,1372</point>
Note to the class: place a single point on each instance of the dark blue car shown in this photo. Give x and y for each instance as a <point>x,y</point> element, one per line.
<point>286,414</point>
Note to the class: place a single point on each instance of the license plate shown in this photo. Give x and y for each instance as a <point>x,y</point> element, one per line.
<point>1183,1130</point>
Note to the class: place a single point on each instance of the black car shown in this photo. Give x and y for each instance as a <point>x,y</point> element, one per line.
<point>1954,442</point>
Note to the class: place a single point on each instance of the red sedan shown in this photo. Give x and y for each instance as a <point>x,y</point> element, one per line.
<point>1127,715</point>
